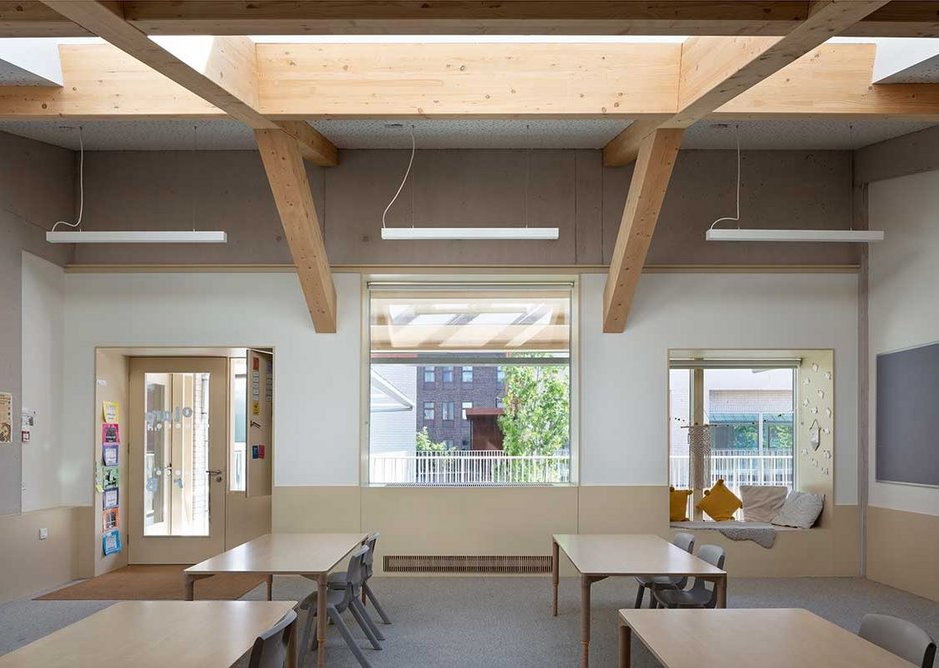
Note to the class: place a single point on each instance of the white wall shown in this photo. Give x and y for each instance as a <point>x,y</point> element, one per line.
<point>904,300</point>
<point>43,290</point>
<point>317,380</point>
<point>624,383</point>
<point>623,377</point>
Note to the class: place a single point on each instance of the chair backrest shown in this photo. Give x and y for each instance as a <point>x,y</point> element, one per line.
<point>900,637</point>
<point>270,648</point>
<point>714,555</point>
<point>355,573</point>
<point>370,557</point>
<point>685,541</point>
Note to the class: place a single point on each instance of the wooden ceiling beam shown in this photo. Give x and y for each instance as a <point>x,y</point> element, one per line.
<point>901,18</point>
<point>638,82</point>
<point>657,154</point>
<point>286,173</point>
<point>715,70</point>
<point>223,71</point>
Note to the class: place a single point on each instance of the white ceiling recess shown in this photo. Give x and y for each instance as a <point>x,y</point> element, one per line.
<point>228,135</point>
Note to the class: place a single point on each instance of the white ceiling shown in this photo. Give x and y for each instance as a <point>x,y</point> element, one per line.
<point>437,134</point>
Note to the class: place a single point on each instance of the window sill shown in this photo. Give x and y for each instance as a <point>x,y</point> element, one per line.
<point>710,525</point>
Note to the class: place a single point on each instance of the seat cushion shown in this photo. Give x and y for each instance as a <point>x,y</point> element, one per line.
<point>678,504</point>
<point>761,503</point>
<point>719,502</point>
<point>800,510</point>
<point>337,580</point>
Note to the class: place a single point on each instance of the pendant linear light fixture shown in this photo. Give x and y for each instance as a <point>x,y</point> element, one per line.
<point>126,236</point>
<point>456,233</point>
<point>810,236</point>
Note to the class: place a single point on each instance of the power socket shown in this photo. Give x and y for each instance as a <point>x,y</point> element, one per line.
<point>43,533</point>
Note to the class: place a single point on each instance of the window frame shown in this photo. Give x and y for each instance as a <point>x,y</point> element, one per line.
<point>463,376</point>
<point>472,280</point>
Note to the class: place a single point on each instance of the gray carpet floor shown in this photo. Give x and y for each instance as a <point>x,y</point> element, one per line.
<point>486,622</point>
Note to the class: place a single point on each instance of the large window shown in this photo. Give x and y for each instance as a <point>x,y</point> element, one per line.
<point>746,409</point>
<point>506,420</point>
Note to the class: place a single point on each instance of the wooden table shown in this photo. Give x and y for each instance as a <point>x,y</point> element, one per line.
<point>312,555</point>
<point>157,634</point>
<point>769,638</point>
<point>599,556</point>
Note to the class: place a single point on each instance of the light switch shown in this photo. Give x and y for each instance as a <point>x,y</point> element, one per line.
<point>43,533</point>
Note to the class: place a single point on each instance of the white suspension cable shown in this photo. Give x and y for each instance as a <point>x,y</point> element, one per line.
<point>735,218</point>
<point>403,181</point>
<point>81,184</point>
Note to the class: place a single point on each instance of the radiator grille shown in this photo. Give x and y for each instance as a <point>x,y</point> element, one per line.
<point>467,564</point>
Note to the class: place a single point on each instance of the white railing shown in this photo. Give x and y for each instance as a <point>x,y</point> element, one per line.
<point>469,468</point>
<point>736,470</point>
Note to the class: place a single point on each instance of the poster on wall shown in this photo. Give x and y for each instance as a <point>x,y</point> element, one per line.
<point>111,519</point>
<point>111,477</point>
<point>111,542</point>
<point>6,417</point>
<point>109,499</point>
<point>109,453</point>
<point>110,432</point>
<point>28,421</point>
<point>109,411</point>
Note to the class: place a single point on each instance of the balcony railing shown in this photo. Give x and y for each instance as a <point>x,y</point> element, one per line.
<point>475,468</point>
<point>737,469</point>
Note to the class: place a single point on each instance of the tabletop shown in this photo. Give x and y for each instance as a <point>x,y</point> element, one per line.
<point>142,634</point>
<point>283,554</point>
<point>631,554</point>
<point>769,638</point>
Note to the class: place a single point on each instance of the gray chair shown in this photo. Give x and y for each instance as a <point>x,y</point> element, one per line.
<point>337,602</point>
<point>686,542</point>
<point>271,647</point>
<point>338,580</point>
<point>702,594</point>
<point>900,637</point>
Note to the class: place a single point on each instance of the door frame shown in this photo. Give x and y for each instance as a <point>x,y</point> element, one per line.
<point>177,549</point>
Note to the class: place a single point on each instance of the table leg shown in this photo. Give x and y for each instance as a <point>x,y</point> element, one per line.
<point>585,583</point>
<point>270,587</point>
<point>721,586</point>
<point>555,567</point>
<point>293,645</point>
<point>190,587</point>
<point>321,619</point>
<point>625,644</point>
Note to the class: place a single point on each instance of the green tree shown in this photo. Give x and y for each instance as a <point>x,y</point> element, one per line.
<point>537,410</point>
<point>425,444</point>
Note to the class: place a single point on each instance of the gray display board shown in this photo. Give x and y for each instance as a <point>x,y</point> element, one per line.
<point>907,448</point>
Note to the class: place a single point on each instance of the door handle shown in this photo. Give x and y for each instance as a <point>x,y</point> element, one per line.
<point>216,472</point>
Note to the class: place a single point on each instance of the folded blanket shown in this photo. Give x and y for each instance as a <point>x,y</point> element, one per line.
<point>762,536</point>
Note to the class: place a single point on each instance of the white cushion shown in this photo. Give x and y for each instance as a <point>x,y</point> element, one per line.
<point>800,510</point>
<point>761,503</point>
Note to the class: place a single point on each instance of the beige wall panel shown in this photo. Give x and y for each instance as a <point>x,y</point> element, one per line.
<point>635,509</point>
<point>902,549</point>
<point>510,521</point>
<point>32,565</point>
<point>246,517</point>
<point>316,509</point>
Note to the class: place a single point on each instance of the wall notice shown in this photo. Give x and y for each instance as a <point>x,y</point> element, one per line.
<point>6,417</point>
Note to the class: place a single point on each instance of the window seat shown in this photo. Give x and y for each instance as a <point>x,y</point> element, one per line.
<point>761,533</point>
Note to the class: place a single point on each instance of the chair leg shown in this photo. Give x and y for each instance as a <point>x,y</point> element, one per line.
<point>361,616</point>
<point>371,597</point>
<point>347,636</point>
<point>639,595</point>
<point>308,633</point>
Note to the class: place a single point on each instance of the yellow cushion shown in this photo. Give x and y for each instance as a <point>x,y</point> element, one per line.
<point>678,504</point>
<point>719,503</point>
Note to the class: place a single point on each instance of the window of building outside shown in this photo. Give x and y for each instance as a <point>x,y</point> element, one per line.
<point>750,411</point>
<point>511,344</point>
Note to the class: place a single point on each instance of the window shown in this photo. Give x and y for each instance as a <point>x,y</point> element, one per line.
<point>239,405</point>
<point>510,344</point>
<point>748,409</point>
<point>446,411</point>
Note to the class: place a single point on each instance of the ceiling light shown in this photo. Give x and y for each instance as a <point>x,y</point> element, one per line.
<point>130,237</point>
<point>812,236</point>
<point>469,233</point>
